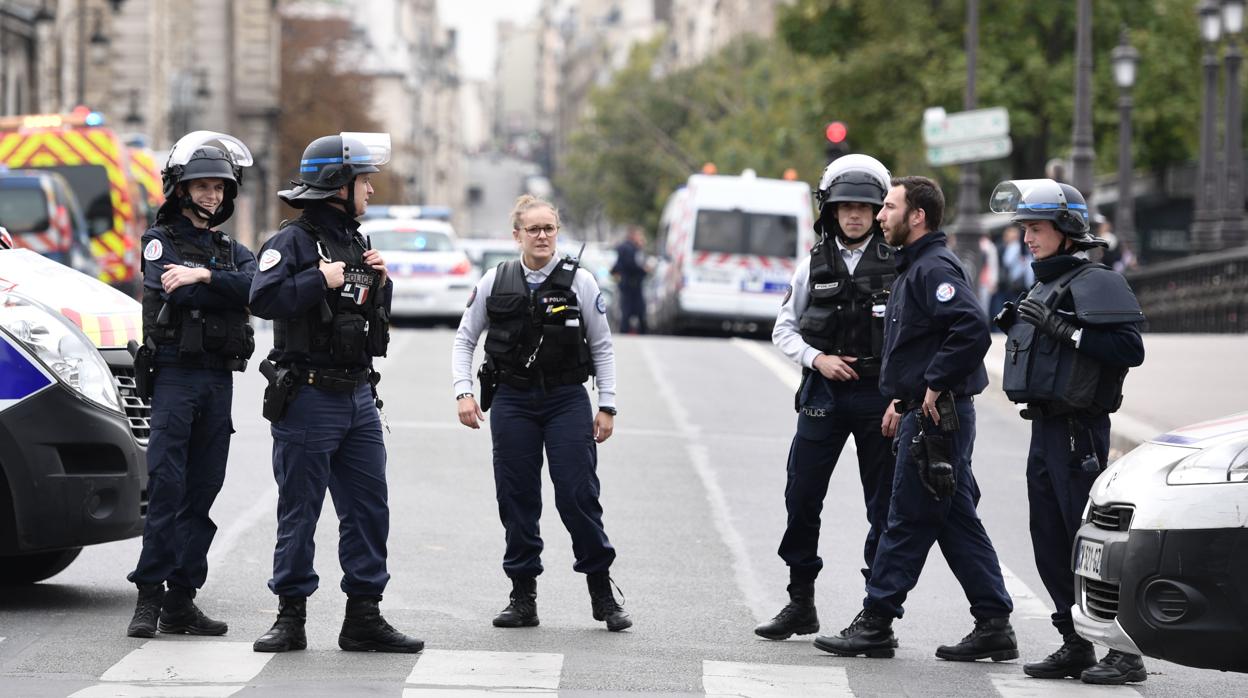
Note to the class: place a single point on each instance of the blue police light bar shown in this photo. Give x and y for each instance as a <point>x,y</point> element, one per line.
<point>94,119</point>
<point>436,213</point>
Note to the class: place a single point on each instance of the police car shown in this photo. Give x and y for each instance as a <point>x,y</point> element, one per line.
<point>1161,560</point>
<point>432,276</point>
<point>73,435</point>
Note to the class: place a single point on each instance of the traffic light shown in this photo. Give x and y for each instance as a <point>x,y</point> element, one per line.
<point>837,145</point>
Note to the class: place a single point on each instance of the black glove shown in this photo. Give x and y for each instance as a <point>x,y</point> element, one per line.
<point>931,454</point>
<point>1007,317</point>
<point>1046,320</point>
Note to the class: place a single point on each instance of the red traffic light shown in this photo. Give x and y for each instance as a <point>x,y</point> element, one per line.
<point>836,132</point>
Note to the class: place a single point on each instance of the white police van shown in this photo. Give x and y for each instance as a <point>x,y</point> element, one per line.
<point>728,246</point>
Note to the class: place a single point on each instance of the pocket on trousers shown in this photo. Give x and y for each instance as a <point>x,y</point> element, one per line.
<point>286,434</point>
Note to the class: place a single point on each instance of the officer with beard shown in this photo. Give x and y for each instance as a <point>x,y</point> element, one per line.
<point>1069,343</point>
<point>936,336</point>
<point>196,332</point>
<point>832,324</point>
<point>328,295</point>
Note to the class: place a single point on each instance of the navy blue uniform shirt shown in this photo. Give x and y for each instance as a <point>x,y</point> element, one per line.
<point>936,335</point>
<point>228,289</point>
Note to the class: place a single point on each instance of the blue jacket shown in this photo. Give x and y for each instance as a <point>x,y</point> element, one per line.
<point>936,334</point>
<point>228,289</point>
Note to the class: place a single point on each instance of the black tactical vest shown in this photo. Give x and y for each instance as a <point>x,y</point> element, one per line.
<point>351,325</point>
<point>204,338</point>
<point>537,337</point>
<point>846,312</point>
<point>1053,375</point>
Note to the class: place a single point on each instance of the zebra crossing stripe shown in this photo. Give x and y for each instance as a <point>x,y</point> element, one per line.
<point>1013,686</point>
<point>174,669</point>
<point>735,679</point>
<point>509,670</point>
<point>124,690</point>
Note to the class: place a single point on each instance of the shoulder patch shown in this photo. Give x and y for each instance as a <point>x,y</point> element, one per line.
<point>600,304</point>
<point>153,251</point>
<point>269,259</point>
<point>472,297</point>
<point>788,293</point>
<point>945,292</point>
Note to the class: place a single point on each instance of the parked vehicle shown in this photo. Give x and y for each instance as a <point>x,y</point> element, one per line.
<point>432,276</point>
<point>728,248</point>
<point>486,253</point>
<point>73,434</point>
<point>42,214</point>
<point>1161,561</point>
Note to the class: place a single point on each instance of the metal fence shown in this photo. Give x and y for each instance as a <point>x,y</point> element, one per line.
<point>1201,293</point>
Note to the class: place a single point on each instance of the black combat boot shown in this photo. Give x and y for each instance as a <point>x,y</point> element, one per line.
<point>870,634</point>
<point>1116,669</point>
<point>1070,659</point>
<point>522,611</point>
<point>180,615</point>
<point>604,603</point>
<point>798,617</point>
<point>287,633</point>
<point>146,610</point>
<point>991,639</point>
<point>364,630</point>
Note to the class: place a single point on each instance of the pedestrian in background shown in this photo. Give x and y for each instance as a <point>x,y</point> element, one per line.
<point>630,272</point>
<point>328,294</point>
<point>547,334</point>
<point>1080,323</point>
<point>936,336</point>
<point>832,324</point>
<point>196,332</point>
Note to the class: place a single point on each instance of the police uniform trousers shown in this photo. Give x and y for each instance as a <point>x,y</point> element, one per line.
<point>330,439</point>
<point>1057,491</point>
<point>632,309</point>
<point>559,419</point>
<point>832,411</point>
<point>186,457</point>
<point>916,521</point>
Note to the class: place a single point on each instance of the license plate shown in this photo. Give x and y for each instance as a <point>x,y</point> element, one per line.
<point>1088,559</point>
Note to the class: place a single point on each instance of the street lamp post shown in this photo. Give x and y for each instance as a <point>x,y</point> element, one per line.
<point>1083,152</point>
<point>1124,58</point>
<point>1232,232</point>
<point>1205,218</point>
<point>966,228</point>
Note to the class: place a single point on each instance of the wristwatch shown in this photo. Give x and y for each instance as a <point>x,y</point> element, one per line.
<point>609,410</point>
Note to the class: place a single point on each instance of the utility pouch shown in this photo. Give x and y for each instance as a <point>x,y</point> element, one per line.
<point>801,387</point>
<point>279,392</point>
<point>192,341</point>
<point>379,332</point>
<point>948,411</point>
<point>487,376</point>
<point>349,337</point>
<point>144,368</point>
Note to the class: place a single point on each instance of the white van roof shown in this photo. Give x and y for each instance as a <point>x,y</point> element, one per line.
<point>757,194</point>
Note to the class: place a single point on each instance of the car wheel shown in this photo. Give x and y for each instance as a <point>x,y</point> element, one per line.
<point>28,569</point>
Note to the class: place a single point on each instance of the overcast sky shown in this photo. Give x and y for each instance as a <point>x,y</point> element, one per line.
<point>476,22</point>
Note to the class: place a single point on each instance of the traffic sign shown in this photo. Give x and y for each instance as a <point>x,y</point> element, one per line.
<point>969,151</point>
<point>975,125</point>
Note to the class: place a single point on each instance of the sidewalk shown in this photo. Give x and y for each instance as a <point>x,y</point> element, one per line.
<point>1186,378</point>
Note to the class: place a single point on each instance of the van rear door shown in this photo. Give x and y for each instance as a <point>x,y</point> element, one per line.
<point>743,257</point>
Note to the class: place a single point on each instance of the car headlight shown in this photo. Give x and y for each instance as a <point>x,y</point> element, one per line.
<point>1223,462</point>
<point>62,348</point>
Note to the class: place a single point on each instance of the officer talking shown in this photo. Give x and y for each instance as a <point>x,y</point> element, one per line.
<point>196,330</point>
<point>1069,343</point>
<point>935,340</point>
<point>537,391</point>
<point>832,324</point>
<point>328,295</point>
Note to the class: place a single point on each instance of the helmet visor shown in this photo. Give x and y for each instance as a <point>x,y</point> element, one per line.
<point>1021,196</point>
<point>365,148</point>
<point>188,144</point>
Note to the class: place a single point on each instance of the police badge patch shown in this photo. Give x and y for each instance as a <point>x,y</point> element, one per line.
<point>153,251</point>
<point>944,292</point>
<point>472,297</point>
<point>788,293</point>
<point>600,304</point>
<point>269,259</point>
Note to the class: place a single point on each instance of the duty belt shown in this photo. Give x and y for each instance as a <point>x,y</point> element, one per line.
<point>336,380</point>
<point>524,382</point>
<point>904,406</point>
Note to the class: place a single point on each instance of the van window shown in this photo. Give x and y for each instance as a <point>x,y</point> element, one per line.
<point>738,232</point>
<point>90,184</point>
<point>24,210</point>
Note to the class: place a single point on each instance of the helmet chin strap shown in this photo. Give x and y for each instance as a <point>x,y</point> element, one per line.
<point>200,212</point>
<point>349,202</point>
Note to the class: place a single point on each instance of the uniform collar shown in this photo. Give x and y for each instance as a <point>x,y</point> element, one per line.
<point>544,272</point>
<point>332,221</point>
<point>861,248</point>
<point>183,227</point>
<point>908,254</point>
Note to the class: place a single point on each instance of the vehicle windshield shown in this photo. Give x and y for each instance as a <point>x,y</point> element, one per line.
<point>90,185</point>
<point>739,232</point>
<point>23,210</point>
<point>411,240</point>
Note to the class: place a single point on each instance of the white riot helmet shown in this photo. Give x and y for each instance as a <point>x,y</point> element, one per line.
<point>850,178</point>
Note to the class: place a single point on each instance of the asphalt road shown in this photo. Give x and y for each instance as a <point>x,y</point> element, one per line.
<point>693,484</point>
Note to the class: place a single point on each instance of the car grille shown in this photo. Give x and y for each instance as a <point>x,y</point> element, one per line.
<point>1100,599</point>
<point>1111,517</point>
<point>138,411</point>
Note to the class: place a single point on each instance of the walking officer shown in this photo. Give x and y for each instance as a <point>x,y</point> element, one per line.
<point>537,391</point>
<point>328,295</point>
<point>196,332</point>
<point>1069,343</point>
<point>935,339</point>
<point>832,324</point>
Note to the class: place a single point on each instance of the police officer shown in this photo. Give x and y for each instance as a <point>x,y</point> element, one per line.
<point>547,335</point>
<point>196,331</point>
<point>1079,323</point>
<point>328,295</point>
<point>832,324</point>
<point>936,336</point>
<point>630,270</point>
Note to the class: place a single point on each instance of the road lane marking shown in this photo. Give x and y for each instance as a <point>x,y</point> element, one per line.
<point>699,458</point>
<point>264,507</point>
<point>1013,686</point>
<point>513,670</point>
<point>164,668</point>
<point>122,690</point>
<point>1026,603</point>
<point>732,679</point>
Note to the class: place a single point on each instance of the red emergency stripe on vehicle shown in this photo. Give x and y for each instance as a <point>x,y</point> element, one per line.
<point>37,242</point>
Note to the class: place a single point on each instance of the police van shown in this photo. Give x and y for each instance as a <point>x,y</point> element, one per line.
<point>728,247</point>
<point>73,434</point>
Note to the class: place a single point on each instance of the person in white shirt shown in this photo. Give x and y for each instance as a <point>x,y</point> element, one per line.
<point>547,334</point>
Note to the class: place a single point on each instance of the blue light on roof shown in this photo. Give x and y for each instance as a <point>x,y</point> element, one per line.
<point>94,119</point>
